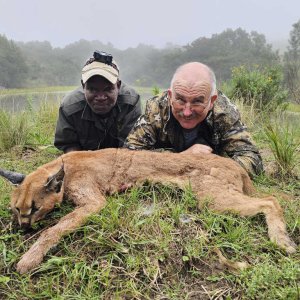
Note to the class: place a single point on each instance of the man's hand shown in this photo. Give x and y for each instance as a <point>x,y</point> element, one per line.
<point>198,148</point>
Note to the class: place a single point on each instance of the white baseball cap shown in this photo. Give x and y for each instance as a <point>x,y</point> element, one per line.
<point>110,72</point>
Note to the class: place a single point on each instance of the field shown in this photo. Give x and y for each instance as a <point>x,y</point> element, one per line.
<point>154,242</point>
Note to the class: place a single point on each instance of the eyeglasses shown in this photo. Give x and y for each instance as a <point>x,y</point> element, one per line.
<point>197,105</point>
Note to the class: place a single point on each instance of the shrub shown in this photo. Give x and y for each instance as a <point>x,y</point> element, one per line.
<point>28,127</point>
<point>284,148</point>
<point>258,86</point>
<point>14,130</point>
<point>155,91</point>
<point>44,122</point>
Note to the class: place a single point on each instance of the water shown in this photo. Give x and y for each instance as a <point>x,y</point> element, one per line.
<point>19,102</point>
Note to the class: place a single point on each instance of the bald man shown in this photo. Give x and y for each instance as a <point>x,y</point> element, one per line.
<point>192,116</point>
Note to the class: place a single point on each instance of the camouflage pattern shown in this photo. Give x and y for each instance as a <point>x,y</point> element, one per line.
<point>79,127</point>
<point>222,130</point>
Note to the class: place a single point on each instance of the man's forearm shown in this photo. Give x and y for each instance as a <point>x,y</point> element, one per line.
<point>251,162</point>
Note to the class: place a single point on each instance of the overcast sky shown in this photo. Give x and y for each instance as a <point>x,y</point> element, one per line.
<point>126,23</point>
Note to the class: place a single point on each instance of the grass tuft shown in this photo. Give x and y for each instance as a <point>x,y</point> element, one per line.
<point>285,148</point>
<point>14,130</point>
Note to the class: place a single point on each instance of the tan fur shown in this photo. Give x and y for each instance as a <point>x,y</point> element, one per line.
<point>90,176</point>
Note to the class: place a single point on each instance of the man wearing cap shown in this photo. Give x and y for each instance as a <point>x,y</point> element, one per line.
<point>99,114</point>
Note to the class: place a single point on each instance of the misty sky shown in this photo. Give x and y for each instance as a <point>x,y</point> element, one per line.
<point>126,23</point>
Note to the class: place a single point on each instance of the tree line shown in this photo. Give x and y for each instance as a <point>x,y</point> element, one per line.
<point>34,64</point>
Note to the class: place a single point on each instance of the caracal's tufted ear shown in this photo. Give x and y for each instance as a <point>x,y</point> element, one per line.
<point>54,182</point>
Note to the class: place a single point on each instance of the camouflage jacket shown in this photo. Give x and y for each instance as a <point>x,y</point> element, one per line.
<point>222,130</point>
<point>78,126</point>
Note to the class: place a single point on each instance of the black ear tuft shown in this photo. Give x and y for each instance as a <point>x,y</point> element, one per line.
<point>54,182</point>
<point>58,186</point>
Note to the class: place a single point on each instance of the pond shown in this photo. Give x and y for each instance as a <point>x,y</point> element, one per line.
<point>18,102</point>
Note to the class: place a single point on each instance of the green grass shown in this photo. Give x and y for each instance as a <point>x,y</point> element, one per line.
<point>152,242</point>
<point>44,122</point>
<point>284,146</point>
<point>293,107</point>
<point>29,128</point>
<point>14,130</point>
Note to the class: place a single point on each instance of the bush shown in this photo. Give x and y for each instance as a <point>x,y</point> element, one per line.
<point>155,91</point>
<point>259,87</point>
<point>44,121</point>
<point>28,127</point>
<point>14,130</point>
<point>284,147</point>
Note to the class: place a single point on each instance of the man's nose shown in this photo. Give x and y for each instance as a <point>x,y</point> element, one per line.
<point>187,110</point>
<point>100,96</point>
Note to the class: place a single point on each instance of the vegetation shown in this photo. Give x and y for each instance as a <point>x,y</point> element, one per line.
<point>293,107</point>
<point>39,64</point>
<point>229,49</point>
<point>153,242</point>
<point>260,87</point>
<point>284,147</point>
<point>14,130</point>
<point>28,128</point>
<point>155,91</point>
<point>292,63</point>
<point>12,64</point>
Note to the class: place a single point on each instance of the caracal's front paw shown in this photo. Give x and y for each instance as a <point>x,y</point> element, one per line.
<point>28,262</point>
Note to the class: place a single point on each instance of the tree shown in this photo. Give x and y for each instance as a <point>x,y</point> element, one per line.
<point>58,66</point>
<point>231,48</point>
<point>292,63</point>
<point>13,68</point>
<point>146,65</point>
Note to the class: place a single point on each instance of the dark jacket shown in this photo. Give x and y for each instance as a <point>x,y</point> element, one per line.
<point>78,126</point>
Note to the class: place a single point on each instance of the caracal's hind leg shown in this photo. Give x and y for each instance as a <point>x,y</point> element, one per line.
<point>230,200</point>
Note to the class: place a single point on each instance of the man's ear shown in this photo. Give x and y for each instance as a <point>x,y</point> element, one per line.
<point>212,100</point>
<point>119,82</point>
<point>169,95</point>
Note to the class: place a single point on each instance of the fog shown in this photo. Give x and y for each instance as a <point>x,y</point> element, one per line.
<point>131,22</point>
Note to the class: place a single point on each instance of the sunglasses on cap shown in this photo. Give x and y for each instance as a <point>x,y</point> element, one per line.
<point>103,57</point>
